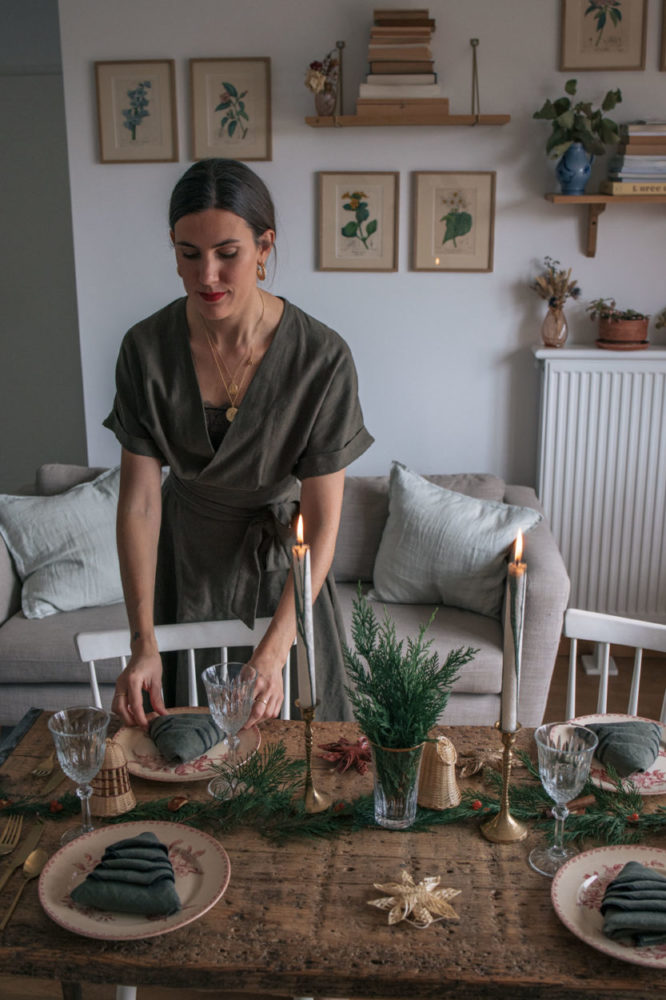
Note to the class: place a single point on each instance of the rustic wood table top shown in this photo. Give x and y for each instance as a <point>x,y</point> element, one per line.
<point>294,920</point>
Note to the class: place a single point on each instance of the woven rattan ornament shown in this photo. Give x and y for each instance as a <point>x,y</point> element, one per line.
<point>438,788</point>
<point>112,794</point>
<point>473,763</point>
<point>419,904</point>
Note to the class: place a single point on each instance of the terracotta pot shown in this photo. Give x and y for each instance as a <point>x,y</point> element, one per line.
<point>623,331</point>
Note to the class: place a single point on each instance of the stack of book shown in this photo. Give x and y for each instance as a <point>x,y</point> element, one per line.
<point>402,76</point>
<point>639,166</point>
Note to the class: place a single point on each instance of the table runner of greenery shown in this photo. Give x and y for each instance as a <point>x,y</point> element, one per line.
<point>268,797</point>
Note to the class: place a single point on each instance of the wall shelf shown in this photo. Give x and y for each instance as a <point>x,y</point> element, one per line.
<point>596,204</point>
<point>400,118</point>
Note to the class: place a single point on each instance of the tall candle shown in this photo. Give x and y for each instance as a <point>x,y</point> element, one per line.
<point>307,692</point>
<point>514,613</point>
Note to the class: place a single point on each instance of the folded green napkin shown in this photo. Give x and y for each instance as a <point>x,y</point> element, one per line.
<point>180,738</point>
<point>627,746</point>
<point>134,876</point>
<point>634,906</point>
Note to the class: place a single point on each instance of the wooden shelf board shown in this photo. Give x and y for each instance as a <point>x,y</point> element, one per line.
<point>601,199</point>
<point>411,118</point>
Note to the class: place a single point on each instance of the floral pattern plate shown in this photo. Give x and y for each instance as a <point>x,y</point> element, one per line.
<point>650,782</point>
<point>145,761</point>
<point>201,869</point>
<point>578,889</point>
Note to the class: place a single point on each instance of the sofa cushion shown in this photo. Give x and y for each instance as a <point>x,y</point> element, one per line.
<point>441,547</point>
<point>57,477</point>
<point>64,546</point>
<point>365,509</point>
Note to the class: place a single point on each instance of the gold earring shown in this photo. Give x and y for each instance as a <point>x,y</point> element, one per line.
<point>261,270</point>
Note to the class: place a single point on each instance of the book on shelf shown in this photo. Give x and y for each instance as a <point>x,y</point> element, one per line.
<point>633,187</point>
<point>396,22</point>
<point>426,105</point>
<point>409,79</point>
<point>651,148</point>
<point>396,91</point>
<point>398,66</point>
<point>404,31</point>
<point>380,53</point>
<point>654,127</point>
<point>643,140</point>
<point>382,15</point>
<point>637,165</point>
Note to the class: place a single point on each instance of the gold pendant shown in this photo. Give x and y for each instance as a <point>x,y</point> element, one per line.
<point>233,389</point>
<point>231,413</point>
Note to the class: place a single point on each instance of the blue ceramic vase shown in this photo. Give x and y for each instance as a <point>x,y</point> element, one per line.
<point>573,169</point>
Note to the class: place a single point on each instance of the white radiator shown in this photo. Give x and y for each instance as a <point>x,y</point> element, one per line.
<point>602,475</point>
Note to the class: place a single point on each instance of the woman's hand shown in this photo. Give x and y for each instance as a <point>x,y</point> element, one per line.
<point>142,673</point>
<point>268,693</point>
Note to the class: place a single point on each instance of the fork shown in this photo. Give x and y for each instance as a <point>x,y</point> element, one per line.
<point>9,837</point>
<point>44,767</point>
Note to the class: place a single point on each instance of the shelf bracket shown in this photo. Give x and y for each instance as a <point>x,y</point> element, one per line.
<point>593,212</point>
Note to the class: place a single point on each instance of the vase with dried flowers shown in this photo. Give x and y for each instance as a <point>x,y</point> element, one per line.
<point>322,79</point>
<point>555,285</point>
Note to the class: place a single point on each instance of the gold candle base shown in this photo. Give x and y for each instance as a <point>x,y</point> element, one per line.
<point>503,828</point>
<point>315,801</point>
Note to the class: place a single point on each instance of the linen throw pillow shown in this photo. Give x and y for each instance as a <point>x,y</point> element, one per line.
<point>442,547</point>
<point>64,546</point>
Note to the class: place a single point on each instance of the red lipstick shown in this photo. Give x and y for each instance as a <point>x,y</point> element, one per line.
<point>212,296</point>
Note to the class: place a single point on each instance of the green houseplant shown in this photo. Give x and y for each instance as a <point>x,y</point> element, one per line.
<point>619,329</point>
<point>578,133</point>
<point>397,695</point>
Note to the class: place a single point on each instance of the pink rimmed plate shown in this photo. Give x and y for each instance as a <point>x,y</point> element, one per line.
<point>145,761</point>
<point>201,868</point>
<point>578,889</point>
<point>650,782</point>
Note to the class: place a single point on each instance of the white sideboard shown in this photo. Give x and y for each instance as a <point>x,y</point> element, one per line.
<point>602,474</point>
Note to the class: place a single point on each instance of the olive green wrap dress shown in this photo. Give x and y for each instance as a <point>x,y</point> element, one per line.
<point>229,513</point>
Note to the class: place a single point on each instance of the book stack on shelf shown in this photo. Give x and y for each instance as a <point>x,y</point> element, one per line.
<point>639,166</point>
<point>402,77</point>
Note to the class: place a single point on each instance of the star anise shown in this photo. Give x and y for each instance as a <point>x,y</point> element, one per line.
<point>344,754</point>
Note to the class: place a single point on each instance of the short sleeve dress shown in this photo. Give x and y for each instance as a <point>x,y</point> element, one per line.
<point>228,513</point>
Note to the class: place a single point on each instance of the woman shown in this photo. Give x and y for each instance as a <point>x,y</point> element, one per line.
<point>253,406</point>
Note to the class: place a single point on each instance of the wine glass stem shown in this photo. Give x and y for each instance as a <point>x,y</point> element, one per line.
<point>84,792</point>
<point>560,813</point>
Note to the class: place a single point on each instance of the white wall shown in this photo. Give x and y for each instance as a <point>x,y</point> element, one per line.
<point>445,365</point>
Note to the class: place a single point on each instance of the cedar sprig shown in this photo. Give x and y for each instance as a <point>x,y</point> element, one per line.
<point>397,692</point>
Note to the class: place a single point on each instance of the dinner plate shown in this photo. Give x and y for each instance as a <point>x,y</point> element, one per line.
<point>578,889</point>
<point>145,761</point>
<point>200,866</point>
<point>650,782</point>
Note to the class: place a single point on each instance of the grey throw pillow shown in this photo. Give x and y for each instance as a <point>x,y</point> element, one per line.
<point>441,547</point>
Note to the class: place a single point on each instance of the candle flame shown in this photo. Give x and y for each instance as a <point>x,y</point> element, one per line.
<point>299,529</point>
<point>518,549</point>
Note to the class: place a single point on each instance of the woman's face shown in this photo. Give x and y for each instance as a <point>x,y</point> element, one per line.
<point>217,260</point>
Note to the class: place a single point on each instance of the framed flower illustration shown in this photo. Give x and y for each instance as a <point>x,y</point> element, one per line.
<point>603,34</point>
<point>136,111</point>
<point>358,221</point>
<point>453,221</point>
<point>231,108</point>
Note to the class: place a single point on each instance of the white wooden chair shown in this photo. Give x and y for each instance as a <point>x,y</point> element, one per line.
<point>190,636</point>
<point>604,630</point>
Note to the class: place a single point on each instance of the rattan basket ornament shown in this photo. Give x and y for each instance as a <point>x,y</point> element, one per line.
<point>112,794</point>
<point>438,788</point>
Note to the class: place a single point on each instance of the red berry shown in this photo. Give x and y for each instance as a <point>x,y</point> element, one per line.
<point>55,806</point>
<point>633,818</point>
<point>477,804</point>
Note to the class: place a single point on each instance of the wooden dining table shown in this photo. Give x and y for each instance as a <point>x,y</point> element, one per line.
<point>295,920</point>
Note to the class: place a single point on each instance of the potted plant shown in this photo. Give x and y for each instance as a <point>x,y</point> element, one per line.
<point>579,132</point>
<point>397,695</point>
<point>619,329</point>
<point>555,285</point>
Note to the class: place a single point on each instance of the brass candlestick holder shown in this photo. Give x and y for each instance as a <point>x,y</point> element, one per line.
<point>503,828</point>
<point>315,801</point>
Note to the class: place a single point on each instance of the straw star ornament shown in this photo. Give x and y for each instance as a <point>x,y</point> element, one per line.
<point>421,904</point>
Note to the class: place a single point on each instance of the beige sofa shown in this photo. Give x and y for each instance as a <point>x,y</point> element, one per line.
<point>39,666</point>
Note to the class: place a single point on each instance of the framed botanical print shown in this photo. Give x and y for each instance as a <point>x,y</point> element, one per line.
<point>662,57</point>
<point>603,34</point>
<point>231,108</point>
<point>453,221</point>
<point>136,111</point>
<point>358,221</point>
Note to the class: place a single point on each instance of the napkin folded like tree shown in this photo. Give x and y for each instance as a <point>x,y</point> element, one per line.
<point>634,906</point>
<point>183,737</point>
<point>627,746</point>
<point>134,876</point>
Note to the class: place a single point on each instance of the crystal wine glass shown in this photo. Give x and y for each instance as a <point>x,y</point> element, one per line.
<point>230,692</point>
<point>565,754</point>
<point>79,735</point>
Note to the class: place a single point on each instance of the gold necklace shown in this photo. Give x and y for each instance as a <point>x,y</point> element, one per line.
<point>233,388</point>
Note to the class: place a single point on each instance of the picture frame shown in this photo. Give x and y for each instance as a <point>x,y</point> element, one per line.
<point>662,58</point>
<point>231,108</point>
<point>595,36</point>
<point>136,111</point>
<point>453,220</point>
<point>358,220</point>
